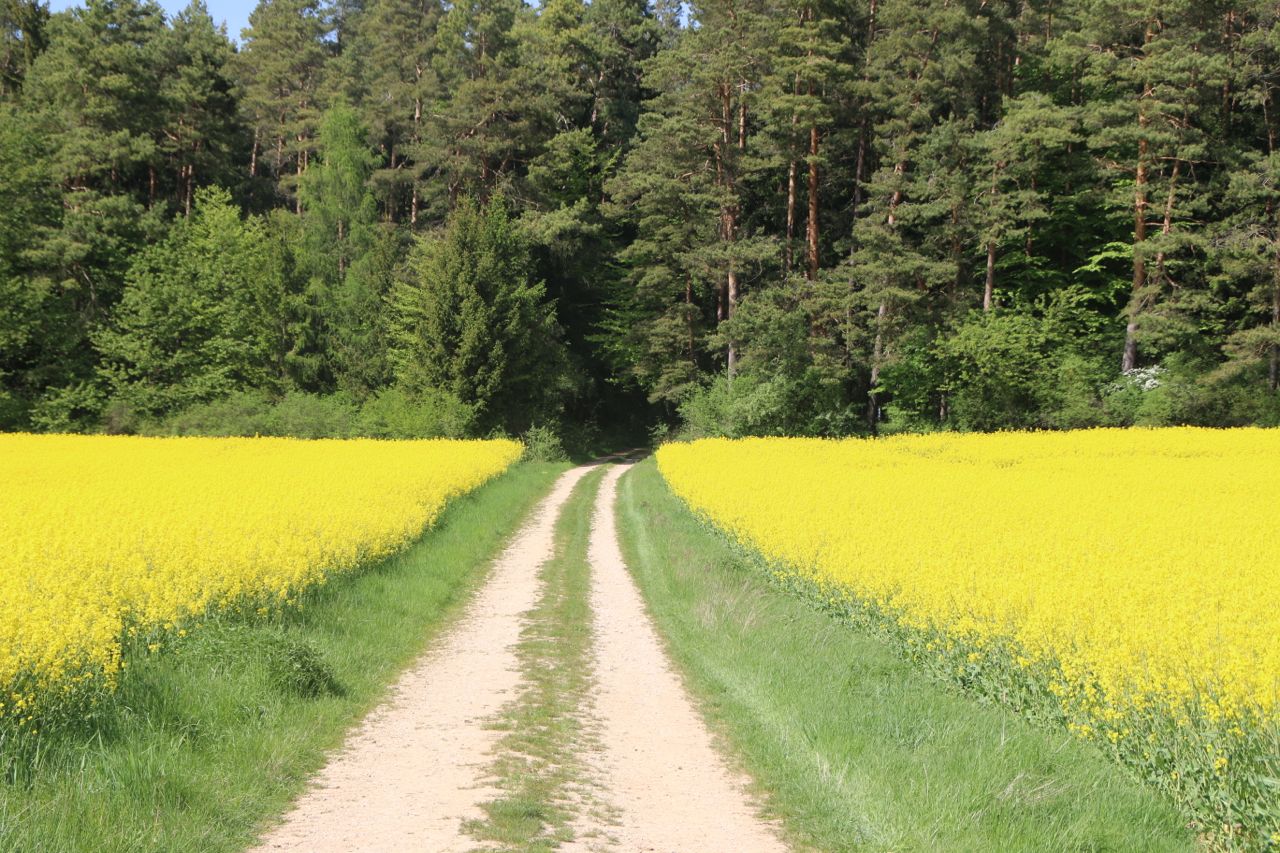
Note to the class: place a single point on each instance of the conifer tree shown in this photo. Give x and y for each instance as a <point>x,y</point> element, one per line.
<point>202,138</point>
<point>470,320</point>
<point>922,61</point>
<point>280,73</point>
<point>397,89</point>
<point>696,154</point>
<point>1147,87</point>
<point>342,259</point>
<point>93,98</point>
<point>22,39</point>
<point>202,313</point>
<point>479,126</point>
<point>1009,158</point>
<point>39,329</point>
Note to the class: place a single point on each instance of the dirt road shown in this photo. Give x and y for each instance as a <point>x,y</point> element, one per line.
<point>414,772</point>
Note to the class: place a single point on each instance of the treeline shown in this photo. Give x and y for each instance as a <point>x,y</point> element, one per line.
<point>742,216</point>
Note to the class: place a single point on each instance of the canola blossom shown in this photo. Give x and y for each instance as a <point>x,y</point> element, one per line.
<point>112,538</point>
<point>1130,578</point>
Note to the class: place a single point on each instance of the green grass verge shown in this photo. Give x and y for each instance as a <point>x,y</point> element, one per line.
<point>539,767</point>
<point>204,743</point>
<point>850,746</point>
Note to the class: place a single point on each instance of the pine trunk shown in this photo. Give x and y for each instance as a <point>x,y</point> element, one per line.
<point>414,152</point>
<point>733,301</point>
<point>1130,359</point>
<point>877,348</point>
<point>877,356</point>
<point>688,319</point>
<point>788,249</point>
<point>812,235</point>
<point>1273,380</point>
<point>988,290</point>
<point>1138,295</point>
<point>1166,224</point>
<point>859,169</point>
<point>793,174</point>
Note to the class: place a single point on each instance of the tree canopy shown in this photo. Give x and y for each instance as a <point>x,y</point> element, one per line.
<point>777,216</point>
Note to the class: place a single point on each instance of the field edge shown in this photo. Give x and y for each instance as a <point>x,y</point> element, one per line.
<point>850,747</point>
<point>210,744</point>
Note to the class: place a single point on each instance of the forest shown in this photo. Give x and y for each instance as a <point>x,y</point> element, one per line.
<point>729,217</point>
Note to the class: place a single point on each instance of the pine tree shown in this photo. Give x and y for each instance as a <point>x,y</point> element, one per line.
<point>93,98</point>
<point>202,136</point>
<point>95,92</point>
<point>280,71</point>
<point>477,123</point>
<point>1159,65</point>
<point>805,83</point>
<point>22,39</point>
<point>38,322</point>
<point>922,62</point>
<point>1248,249</point>
<point>397,88</point>
<point>619,35</point>
<point>1009,158</point>
<point>695,157</point>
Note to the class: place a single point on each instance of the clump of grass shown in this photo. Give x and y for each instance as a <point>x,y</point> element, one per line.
<point>291,662</point>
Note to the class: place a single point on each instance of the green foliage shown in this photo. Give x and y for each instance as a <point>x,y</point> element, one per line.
<point>201,315</point>
<point>311,416</point>
<point>393,413</point>
<point>808,197</point>
<point>994,366</point>
<point>471,320</point>
<point>390,414</point>
<point>542,444</point>
<point>250,413</point>
<point>241,414</point>
<point>337,207</point>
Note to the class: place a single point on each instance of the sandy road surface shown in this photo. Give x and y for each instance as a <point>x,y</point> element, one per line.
<point>414,770</point>
<point>667,787</point>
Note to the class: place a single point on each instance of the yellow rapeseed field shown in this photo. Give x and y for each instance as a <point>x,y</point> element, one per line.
<point>1131,577</point>
<point>107,538</point>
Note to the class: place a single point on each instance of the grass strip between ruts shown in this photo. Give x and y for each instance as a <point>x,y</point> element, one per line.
<point>849,745</point>
<point>204,743</point>
<point>539,765</point>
